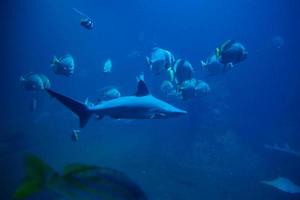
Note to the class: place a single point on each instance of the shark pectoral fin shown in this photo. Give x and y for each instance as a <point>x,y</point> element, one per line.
<point>160,115</point>
<point>157,115</point>
<point>152,116</point>
<point>163,114</point>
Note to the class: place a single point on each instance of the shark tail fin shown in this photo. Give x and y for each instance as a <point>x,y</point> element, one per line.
<point>36,177</point>
<point>80,109</point>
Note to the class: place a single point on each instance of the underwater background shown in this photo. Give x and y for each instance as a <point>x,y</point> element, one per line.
<point>215,152</point>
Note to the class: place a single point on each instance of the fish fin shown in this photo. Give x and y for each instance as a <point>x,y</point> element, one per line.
<point>54,60</point>
<point>140,77</point>
<point>88,103</point>
<point>142,89</point>
<point>36,177</point>
<point>171,74</point>
<point>152,116</point>
<point>230,65</point>
<point>226,45</point>
<point>203,65</point>
<point>148,61</point>
<point>80,109</point>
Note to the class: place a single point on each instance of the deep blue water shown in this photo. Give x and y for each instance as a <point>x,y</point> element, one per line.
<point>216,152</point>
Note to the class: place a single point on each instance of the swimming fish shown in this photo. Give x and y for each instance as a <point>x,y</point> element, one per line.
<point>168,88</point>
<point>183,70</point>
<point>142,105</point>
<point>231,52</point>
<point>283,184</point>
<point>85,21</point>
<point>64,65</point>
<point>187,89</point>
<point>213,66</point>
<point>201,88</point>
<point>160,60</point>
<point>77,182</point>
<point>111,93</point>
<point>34,82</point>
<point>278,41</point>
<point>107,66</point>
<point>75,135</point>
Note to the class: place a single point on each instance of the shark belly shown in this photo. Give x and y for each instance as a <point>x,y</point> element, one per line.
<point>125,108</point>
<point>125,112</point>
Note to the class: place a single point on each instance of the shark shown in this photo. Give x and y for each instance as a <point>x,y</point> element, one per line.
<point>285,148</point>
<point>141,105</point>
<point>283,184</point>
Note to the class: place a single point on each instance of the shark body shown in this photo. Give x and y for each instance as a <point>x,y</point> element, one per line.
<point>142,105</point>
<point>283,184</point>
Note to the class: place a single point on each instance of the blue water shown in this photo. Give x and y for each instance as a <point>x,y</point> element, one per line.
<point>216,152</point>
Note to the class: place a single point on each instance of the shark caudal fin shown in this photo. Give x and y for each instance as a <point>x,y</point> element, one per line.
<point>80,109</point>
<point>37,173</point>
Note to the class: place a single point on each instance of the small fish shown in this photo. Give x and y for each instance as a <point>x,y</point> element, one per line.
<point>160,60</point>
<point>168,88</point>
<point>201,88</point>
<point>64,65</point>
<point>85,21</point>
<point>278,41</point>
<point>75,135</point>
<point>183,70</point>
<point>231,52</point>
<point>187,89</point>
<point>34,82</point>
<point>111,93</point>
<point>213,66</point>
<point>283,184</point>
<point>107,66</point>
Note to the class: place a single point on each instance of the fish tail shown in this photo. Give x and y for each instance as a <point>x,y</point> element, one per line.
<point>80,109</point>
<point>54,61</point>
<point>35,179</point>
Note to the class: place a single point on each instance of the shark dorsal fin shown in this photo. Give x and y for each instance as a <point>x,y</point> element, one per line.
<point>142,89</point>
